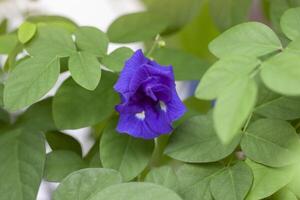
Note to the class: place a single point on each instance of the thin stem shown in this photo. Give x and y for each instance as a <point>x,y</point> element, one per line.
<point>154,45</point>
<point>248,122</point>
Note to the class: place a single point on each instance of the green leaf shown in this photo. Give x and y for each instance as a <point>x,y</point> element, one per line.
<point>38,116</point>
<point>51,41</point>
<point>186,66</point>
<point>194,140</point>
<point>93,157</point>
<point>83,184</point>
<point>251,39</point>
<point>54,20</point>
<point>281,73</point>
<point>8,43</point>
<point>85,69</point>
<point>164,176</point>
<point>193,34</point>
<point>72,103</point>
<point>124,153</point>
<point>225,71</point>
<point>136,27</point>
<point>233,107</point>
<point>115,61</point>
<point>29,81</point>
<point>22,154</point>
<point>267,180</point>
<point>195,179</point>
<point>289,23</point>
<point>233,182</point>
<point>3,26</point>
<point>267,137</point>
<point>179,13</point>
<point>227,13</point>
<point>26,32</point>
<point>60,141</point>
<point>284,194</point>
<point>294,185</point>
<point>136,191</point>
<point>285,108</point>
<point>61,163</point>
<point>277,9</point>
<point>92,40</point>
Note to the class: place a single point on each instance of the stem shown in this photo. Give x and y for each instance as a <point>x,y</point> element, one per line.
<point>154,45</point>
<point>248,122</point>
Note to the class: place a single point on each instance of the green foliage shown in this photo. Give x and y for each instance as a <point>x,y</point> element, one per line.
<point>193,140</point>
<point>178,14</point>
<point>276,137</point>
<point>126,154</point>
<point>91,40</point>
<point>84,184</point>
<point>136,27</point>
<point>61,141</point>
<point>60,163</point>
<point>116,59</point>
<point>22,154</point>
<point>85,70</point>
<point>29,81</point>
<point>26,31</point>
<point>251,39</point>
<point>136,191</point>
<point>164,176</point>
<point>186,66</point>
<point>239,138</point>
<point>8,43</point>
<point>267,180</point>
<point>72,102</point>
<point>227,13</point>
<point>233,182</point>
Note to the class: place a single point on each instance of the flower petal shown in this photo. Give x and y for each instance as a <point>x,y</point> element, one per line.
<point>131,65</point>
<point>175,108</point>
<point>130,124</point>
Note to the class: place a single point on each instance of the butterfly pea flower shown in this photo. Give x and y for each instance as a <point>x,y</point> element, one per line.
<point>149,101</point>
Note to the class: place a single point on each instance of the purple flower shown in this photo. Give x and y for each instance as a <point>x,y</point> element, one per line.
<point>149,101</point>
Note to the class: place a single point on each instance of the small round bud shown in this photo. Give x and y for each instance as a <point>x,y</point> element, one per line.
<point>161,43</point>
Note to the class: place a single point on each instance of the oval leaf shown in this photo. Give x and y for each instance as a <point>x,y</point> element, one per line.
<point>26,32</point>
<point>225,71</point>
<point>51,41</point>
<point>251,39</point>
<point>267,180</point>
<point>232,183</point>
<point>281,73</point>
<point>193,140</point>
<point>267,137</point>
<point>124,153</point>
<point>29,81</point>
<point>290,24</point>
<point>233,107</point>
<point>85,69</point>
<point>194,180</point>
<point>83,184</point>
<point>136,27</point>
<point>92,40</point>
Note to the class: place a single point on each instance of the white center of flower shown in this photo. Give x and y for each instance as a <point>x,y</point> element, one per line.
<point>163,106</point>
<point>140,115</point>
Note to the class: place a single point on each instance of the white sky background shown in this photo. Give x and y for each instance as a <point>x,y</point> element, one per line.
<point>98,13</point>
